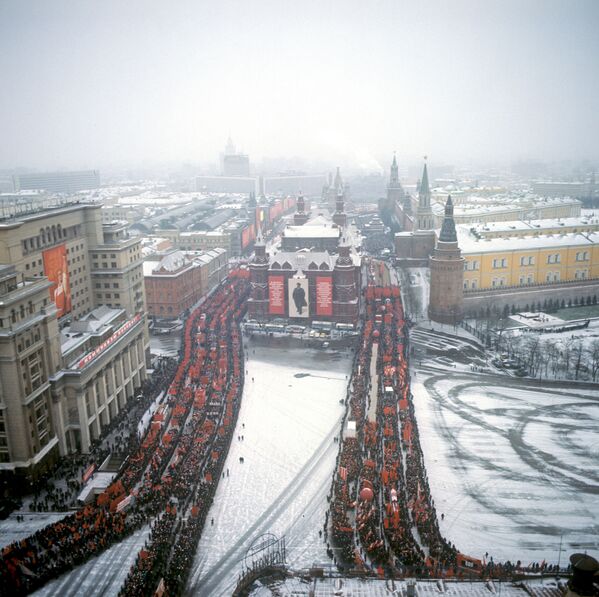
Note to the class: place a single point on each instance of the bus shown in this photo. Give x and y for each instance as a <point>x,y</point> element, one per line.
<point>296,329</point>
<point>322,325</point>
<point>345,327</point>
<point>274,327</point>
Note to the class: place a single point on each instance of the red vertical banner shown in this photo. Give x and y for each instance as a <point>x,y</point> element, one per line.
<point>245,237</point>
<point>56,270</point>
<point>324,296</point>
<point>276,295</point>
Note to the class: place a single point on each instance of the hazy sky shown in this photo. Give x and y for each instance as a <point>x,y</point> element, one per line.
<point>88,84</point>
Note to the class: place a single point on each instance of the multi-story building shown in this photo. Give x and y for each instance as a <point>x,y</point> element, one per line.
<point>507,208</point>
<point>235,163</point>
<point>524,261</point>
<point>54,255</point>
<point>176,281</point>
<point>308,283</point>
<point>566,189</point>
<point>55,243</point>
<point>104,355</point>
<point>29,356</point>
<point>58,182</point>
<point>116,270</point>
<point>523,228</point>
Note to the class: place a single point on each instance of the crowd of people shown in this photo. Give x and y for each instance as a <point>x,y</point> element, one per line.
<point>180,457</point>
<point>380,498</point>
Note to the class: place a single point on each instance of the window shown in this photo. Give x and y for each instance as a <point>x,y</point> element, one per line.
<point>499,263</point>
<point>554,258</point>
<point>582,256</point>
<point>527,260</point>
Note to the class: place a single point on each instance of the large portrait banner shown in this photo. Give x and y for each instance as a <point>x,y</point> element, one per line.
<point>56,270</point>
<point>299,302</point>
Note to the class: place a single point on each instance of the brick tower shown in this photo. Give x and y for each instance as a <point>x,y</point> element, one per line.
<point>258,301</point>
<point>447,274</point>
<point>300,217</point>
<point>340,217</point>
<point>346,286</point>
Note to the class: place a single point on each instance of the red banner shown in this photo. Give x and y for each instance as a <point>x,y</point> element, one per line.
<point>89,357</point>
<point>56,270</point>
<point>245,237</point>
<point>276,295</point>
<point>324,296</point>
<point>89,471</point>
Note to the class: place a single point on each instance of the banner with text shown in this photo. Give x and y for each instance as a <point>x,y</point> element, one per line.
<point>276,295</point>
<point>324,296</point>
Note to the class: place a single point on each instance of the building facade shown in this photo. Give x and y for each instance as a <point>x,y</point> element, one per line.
<point>59,263</point>
<point>319,278</point>
<point>58,182</point>
<point>528,261</point>
<point>29,356</point>
<point>178,280</point>
<point>117,271</point>
<point>104,355</point>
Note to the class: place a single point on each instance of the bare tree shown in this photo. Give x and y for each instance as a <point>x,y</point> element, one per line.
<point>594,359</point>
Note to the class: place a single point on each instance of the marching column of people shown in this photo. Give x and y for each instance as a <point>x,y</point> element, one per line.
<point>380,493</point>
<point>162,464</point>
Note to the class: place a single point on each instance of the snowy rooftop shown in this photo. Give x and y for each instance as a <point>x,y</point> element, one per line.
<point>312,231</point>
<point>95,322</point>
<point>307,260</point>
<point>470,244</point>
<point>536,225</point>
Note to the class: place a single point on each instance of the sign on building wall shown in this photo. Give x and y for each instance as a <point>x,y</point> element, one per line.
<point>56,270</point>
<point>276,295</point>
<point>299,297</point>
<point>324,296</point>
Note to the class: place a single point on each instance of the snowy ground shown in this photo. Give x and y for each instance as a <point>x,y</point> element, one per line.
<point>103,575</point>
<point>11,530</point>
<point>512,463</point>
<point>415,285</point>
<point>288,424</point>
<point>166,345</point>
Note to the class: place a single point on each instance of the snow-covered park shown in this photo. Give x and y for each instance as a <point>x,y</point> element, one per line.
<point>512,463</point>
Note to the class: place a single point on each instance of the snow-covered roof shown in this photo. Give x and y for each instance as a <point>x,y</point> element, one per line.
<point>537,225</point>
<point>312,231</point>
<point>470,244</point>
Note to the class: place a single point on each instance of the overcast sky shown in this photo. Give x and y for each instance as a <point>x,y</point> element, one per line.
<point>88,84</point>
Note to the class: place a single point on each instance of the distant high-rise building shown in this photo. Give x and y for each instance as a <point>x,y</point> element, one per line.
<point>58,182</point>
<point>234,163</point>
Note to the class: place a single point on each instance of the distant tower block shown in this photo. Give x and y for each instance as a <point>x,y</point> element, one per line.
<point>447,274</point>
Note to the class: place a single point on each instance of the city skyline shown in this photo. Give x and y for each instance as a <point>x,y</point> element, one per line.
<point>95,85</point>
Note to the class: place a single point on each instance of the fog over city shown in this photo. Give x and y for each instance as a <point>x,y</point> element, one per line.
<point>98,84</point>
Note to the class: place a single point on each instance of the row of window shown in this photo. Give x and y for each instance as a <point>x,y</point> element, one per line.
<point>525,260</point>
<point>582,274</point>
